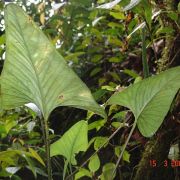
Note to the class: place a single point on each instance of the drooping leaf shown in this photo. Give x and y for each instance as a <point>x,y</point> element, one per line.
<point>35,72</point>
<point>150,99</point>
<point>36,156</point>
<point>72,142</point>
<point>10,157</point>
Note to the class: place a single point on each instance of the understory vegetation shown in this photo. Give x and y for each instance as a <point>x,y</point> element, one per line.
<point>89,89</point>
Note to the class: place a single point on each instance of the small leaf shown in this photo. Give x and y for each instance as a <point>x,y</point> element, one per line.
<point>108,88</point>
<point>82,172</point>
<point>72,142</point>
<point>173,15</point>
<point>165,30</point>
<point>10,157</point>
<point>131,73</point>
<point>126,155</point>
<point>94,163</point>
<point>96,124</point>
<point>96,58</point>
<point>150,99</point>
<point>36,156</point>
<point>117,15</point>
<point>120,116</point>
<point>114,59</point>
<point>107,171</point>
<point>117,124</point>
<point>95,71</point>
<point>99,141</point>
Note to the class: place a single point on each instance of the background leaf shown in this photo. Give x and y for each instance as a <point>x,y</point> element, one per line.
<point>150,99</point>
<point>132,4</point>
<point>82,172</point>
<point>109,5</point>
<point>72,142</point>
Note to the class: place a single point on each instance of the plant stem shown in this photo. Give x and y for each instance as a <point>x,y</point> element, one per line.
<point>45,128</point>
<point>124,147</point>
<point>144,55</point>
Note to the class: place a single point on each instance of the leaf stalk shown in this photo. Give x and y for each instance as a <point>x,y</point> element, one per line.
<point>45,129</point>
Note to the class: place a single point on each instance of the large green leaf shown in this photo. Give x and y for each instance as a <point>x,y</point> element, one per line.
<point>35,72</point>
<point>150,99</point>
<point>72,142</point>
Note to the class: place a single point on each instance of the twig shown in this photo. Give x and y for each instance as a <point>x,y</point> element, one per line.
<point>144,55</point>
<point>124,147</point>
<point>45,128</point>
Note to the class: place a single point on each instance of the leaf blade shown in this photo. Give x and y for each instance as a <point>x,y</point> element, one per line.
<point>72,142</point>
<point>150,99</point>
<point>35,72</point>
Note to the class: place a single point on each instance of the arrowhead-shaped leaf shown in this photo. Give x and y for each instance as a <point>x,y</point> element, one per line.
<point>150,99</point>
<point>35,72</point>
<point>72,142</point>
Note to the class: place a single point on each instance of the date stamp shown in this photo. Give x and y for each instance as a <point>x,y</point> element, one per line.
<point>166,163</point>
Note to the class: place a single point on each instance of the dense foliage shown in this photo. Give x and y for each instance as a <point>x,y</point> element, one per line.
<point>126,53</point>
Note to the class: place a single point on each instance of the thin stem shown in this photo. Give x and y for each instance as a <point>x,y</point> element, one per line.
<point>124,147</point>
<point>152,40</point>
<point>144,55</point>
<point>45,129</point>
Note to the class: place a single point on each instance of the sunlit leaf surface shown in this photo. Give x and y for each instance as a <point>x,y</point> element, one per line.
<point>35,72</point>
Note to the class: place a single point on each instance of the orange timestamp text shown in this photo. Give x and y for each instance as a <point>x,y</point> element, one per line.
<point>166,163</point>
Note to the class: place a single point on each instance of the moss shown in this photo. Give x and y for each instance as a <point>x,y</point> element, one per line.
<point>157,149</point>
